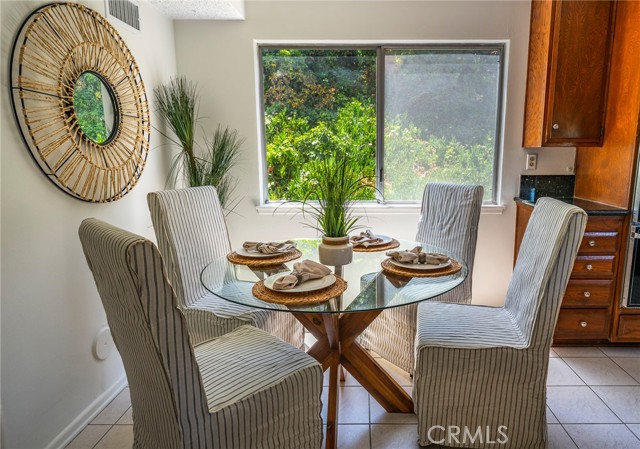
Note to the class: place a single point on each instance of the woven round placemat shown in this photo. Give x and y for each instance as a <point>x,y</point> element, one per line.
<point>407,272</point>
<point>236,258</point>
<point>372,249</point>
<point>299,299</point>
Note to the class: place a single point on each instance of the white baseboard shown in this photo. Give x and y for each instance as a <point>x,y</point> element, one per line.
<point>80,422</point>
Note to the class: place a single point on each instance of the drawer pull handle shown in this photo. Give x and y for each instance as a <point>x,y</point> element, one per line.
<point>556,126</point>
<point>592,243</point>
<point>587,294</point>
<point>589,267</point>
<point>583,323</point>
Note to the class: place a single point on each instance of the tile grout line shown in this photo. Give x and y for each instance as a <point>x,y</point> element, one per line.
<point>606,405</point>
<point>594,392</point>
<point>568,434</point>
<point>589,386</point>
<point>632,432</point>
<point>103,436</point>
<point>551,411</point>
<point>627,372</point>
<point>614,362</point>
<point>603,401</point>
<point>112,425</point>
<point>598,348</point>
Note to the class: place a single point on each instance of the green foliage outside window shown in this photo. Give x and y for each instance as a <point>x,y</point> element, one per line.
<point>318,104</point>
<point>89,107</point>
<point>439,122</point>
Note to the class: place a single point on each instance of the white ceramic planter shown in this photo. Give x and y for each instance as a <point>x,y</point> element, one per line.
<point>335,251</point>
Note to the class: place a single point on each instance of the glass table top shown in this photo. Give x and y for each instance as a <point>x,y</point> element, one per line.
<point>368,286</point>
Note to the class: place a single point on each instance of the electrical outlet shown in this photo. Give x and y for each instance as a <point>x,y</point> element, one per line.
<point>532,161</point>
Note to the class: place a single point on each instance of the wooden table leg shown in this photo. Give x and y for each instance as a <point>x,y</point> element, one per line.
<point>384,389</point>
<point>365,369</point>
<point>321,349</point>
<point>336,346</point>
<point>325,327</point>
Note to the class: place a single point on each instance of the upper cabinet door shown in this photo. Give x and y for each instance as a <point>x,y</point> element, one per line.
<point>579,67</point>
<point>567,80</point>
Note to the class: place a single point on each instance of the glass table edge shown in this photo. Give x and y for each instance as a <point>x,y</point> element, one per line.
<point>265,305</point>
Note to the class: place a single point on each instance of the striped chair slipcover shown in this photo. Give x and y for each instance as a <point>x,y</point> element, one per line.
<point>486,367</point>
<point>191,232</point>
<point>449,220</point>
<point>244,390</point>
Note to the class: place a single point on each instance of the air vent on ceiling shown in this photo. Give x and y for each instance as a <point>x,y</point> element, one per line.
<point>126,11</point>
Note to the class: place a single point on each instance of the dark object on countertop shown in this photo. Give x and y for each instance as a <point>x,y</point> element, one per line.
<point>554,186</point>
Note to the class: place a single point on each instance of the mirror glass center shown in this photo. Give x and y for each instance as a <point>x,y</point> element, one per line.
<point>93,104</point>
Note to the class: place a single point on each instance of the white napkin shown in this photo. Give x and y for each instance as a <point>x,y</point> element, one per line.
<point>365,239</point>
<point>416,256</point>
<point>302,272</point>
<point>269,247</point>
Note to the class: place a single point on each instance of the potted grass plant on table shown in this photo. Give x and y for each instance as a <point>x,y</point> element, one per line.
<point>334,187</point>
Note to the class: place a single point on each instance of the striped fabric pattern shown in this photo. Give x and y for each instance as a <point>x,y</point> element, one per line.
<point>259,361</point>
<point>448,219</point>
<point>191,232</point>
<point>481,366</point>
<point>245,390</point>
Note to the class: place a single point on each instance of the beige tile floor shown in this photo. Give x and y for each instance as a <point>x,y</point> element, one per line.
<point>593,399</point>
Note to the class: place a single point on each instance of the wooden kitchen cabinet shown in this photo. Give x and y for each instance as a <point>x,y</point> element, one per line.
<point>588,303</point>
<point>628,328</point>
<point>568,72</point>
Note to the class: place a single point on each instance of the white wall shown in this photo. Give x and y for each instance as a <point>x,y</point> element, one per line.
<point>219,56</point>
<point>50,307</point>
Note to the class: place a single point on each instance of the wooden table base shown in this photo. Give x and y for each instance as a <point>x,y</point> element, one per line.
<point>336,346</point>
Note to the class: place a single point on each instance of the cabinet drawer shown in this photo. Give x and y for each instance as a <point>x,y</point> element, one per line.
<point>629,327</point>
<point>598,243</point>
<point>593,267</point>
<point>583,293</point>
<point>604,223</point>
<point>582,323</point>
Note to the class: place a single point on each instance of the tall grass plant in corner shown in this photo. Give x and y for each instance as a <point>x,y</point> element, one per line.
<point>177,103</point>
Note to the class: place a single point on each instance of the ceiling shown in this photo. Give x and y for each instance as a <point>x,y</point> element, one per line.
<point>201,9</point>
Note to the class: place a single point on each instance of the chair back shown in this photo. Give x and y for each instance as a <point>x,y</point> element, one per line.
<point>449,219</point>
<point>169,406</point>
<point>545,260</point>
<point>191,232</point>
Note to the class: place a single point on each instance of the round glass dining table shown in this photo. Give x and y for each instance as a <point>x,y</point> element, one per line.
<point>337,323</point>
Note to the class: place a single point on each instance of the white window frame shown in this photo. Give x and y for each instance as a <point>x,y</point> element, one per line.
<point>408,207</point>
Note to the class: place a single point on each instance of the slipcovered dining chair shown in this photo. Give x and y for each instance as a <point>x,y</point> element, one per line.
<point>244,390</point>
<point>486,367</point>
<point>191,232</point>
<point>449,220</point>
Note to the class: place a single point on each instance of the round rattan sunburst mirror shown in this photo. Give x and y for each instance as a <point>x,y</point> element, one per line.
<point>80,102</point>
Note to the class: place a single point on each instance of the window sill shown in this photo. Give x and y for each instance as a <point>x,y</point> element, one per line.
<point>367,209</point>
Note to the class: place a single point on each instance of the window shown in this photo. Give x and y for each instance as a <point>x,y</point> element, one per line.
<point>405,115</point>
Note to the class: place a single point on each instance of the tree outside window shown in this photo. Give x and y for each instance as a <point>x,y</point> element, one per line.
<point>439,107</point>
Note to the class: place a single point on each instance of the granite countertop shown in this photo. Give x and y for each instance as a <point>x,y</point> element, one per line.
<point>590,207</point>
